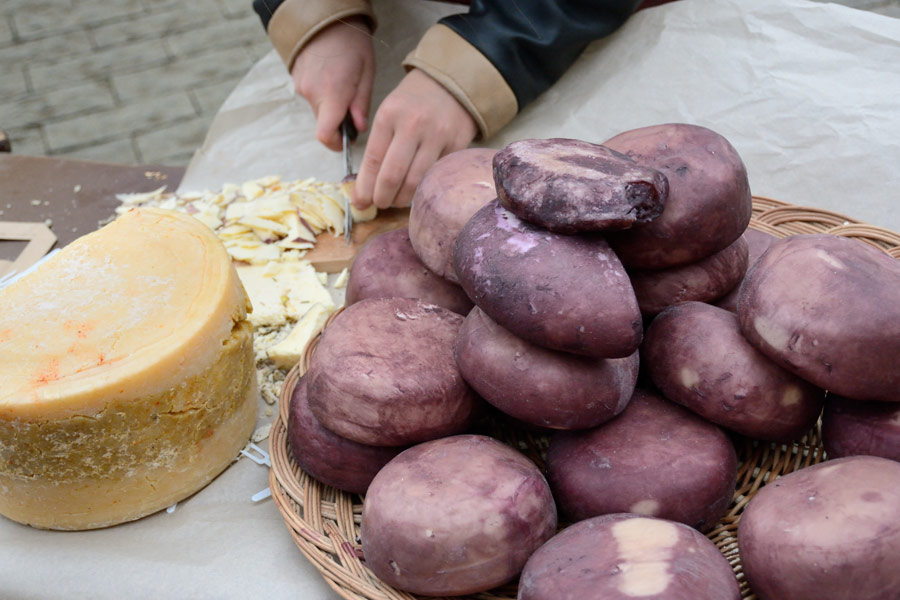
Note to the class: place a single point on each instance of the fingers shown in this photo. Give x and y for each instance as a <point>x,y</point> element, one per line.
<point>389,177</point>
<point>415,125</point>
<point>329,115</point>
<point>426,156</point>
<point>335,73</point>
<point>376,148</point>
<point>359,106</point>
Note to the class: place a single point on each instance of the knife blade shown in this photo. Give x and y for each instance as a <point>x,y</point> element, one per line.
<point>348,135</point>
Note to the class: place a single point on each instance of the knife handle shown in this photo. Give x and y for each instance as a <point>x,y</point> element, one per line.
<point>348,129</point>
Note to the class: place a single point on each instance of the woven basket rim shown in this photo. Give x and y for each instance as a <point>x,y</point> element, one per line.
<point>324,522</point>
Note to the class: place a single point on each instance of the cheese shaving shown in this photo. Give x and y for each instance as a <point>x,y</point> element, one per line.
<point>263,220</point>
<point>267,226</point>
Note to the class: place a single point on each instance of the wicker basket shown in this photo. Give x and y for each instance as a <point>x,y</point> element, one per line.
<point>324,522</point>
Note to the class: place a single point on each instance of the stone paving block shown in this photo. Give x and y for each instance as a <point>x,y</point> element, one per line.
<point>176,160</point>
<point>184,74</point>
<point>26,141</point>
<point>236,8</point>
<point>49,19</point>
<point>50,49</point>
<point>259,49</point>
<point>118,151</point>
<point>179,139</point>
<point>10,6</point>
<point>862,4</point>
<point>12,85</point>
<point>206,6</point>
<point>209,98</point>
<point>889,10</point>
<point>221,35</point>
<point>6,33</point>
<point>37,109</point>
<point>148,25</point>
<point>99,65</point>
<point>156,110</point>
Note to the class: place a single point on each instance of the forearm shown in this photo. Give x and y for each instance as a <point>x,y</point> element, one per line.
<point>502,55</point>
<point>291,24</point>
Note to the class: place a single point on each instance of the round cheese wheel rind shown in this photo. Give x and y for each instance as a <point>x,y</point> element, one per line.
<point>455,516</point>
<point>831,530</point>
<point>563,292</point>
<point>695,354</point>
<point>387,267</point>
<point>709,202</point>
<point>825,308</point>
<point>757,244</point>
<point>383,374</point>
<point>572,186</point>
<point>626,556</point>
<point>132,382</point>
<point>333,460</point>
<point>451,191</point>
<point>540,386</point>
<point>655,459</point>
<point>852,428</point>
<point>703,281</point>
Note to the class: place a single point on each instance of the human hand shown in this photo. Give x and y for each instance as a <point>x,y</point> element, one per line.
<point>418,122</point>
<point>335,72</point>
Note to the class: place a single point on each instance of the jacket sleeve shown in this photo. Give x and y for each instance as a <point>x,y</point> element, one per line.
<point>292,23</point>
<point>503,54</point>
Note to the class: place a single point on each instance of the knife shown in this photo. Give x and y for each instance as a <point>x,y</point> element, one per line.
<point>348,135</point>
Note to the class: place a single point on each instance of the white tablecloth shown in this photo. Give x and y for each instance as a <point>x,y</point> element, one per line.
<point>806,92</point>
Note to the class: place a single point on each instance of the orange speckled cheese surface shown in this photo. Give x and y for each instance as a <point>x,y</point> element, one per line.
<point>127,377</point>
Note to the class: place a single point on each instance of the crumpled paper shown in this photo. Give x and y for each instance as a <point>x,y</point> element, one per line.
<point>806,92</point>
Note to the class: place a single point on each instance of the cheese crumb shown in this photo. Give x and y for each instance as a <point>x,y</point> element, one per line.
<point>261,433</point>
<point>342,278</point>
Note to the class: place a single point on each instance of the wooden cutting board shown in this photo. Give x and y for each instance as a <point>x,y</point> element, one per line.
<point>333,254</point>
<point>76,196</point>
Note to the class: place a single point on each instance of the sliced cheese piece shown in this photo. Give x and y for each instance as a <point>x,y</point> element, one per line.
<point>342,279</point>
<point>286,353</point>
<point>283,291</point>
<point>307,287</point>
<point>366,214</point>
<point>127,377</point>
<point>266,295</point>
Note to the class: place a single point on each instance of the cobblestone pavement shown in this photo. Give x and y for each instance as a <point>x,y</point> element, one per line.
<point>133,81</point>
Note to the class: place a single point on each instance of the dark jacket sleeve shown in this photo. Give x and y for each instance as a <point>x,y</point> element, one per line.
<point>265,9</point>
<point>533,42</point>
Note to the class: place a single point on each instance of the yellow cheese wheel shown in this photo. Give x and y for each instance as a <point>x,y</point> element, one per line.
<point>127,376</point>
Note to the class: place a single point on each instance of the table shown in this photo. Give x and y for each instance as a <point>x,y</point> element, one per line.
<point>73,196</point>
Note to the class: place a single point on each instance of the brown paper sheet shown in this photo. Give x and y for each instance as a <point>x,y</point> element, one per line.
<point>39,240</point>
<point>806,93</point>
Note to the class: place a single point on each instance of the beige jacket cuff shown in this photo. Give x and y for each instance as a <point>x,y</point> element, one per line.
<point>295,22</point>
<point>465,72</point>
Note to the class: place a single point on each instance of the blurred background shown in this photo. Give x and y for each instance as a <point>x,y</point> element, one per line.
<point>134,81</point>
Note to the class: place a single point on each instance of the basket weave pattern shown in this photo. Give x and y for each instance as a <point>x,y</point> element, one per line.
<point>324,522</point>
